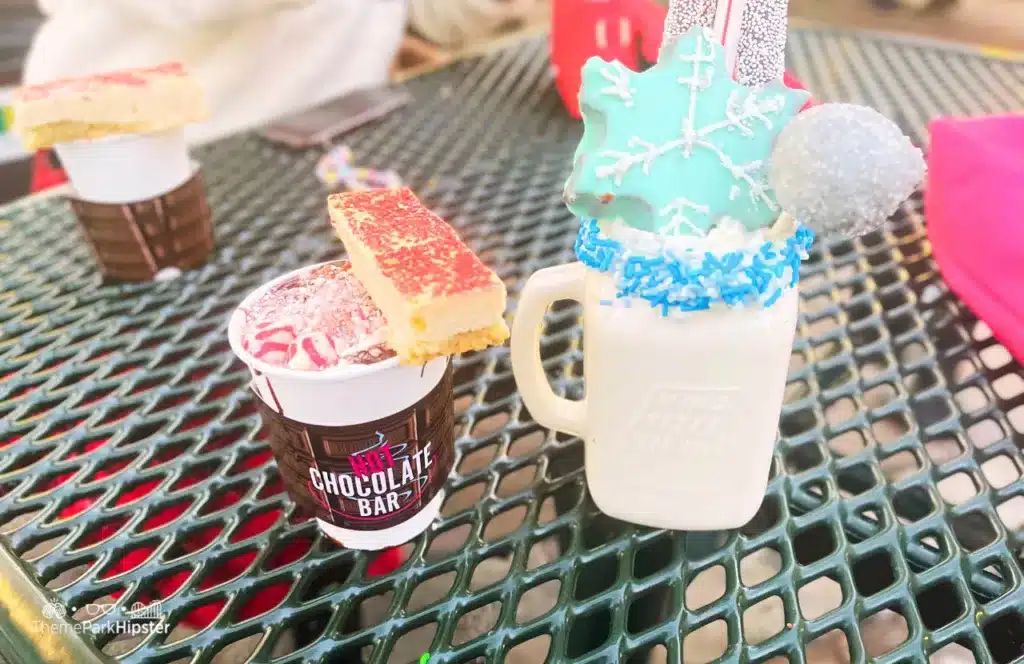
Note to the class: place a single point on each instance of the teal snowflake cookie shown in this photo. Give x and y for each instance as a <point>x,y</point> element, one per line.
<point>680,147</point>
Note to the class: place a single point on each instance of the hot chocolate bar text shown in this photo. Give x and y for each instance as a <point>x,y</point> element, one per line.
<point>377,479</point>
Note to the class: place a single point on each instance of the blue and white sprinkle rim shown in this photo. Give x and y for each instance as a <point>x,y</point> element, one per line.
<point>692,280</point>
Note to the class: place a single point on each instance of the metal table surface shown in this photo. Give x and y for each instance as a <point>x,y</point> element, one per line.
<point>134,468</point>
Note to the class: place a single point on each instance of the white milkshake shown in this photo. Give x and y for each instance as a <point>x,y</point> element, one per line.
<point>675,402</point>
<point>687,275</point>
<point>689,262</point>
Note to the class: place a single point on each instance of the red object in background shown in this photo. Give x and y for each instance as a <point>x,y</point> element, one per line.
<point>625,30</point>
<point>972,200</point>
<point>386,562</point>
<point>794,83</point>
<point>44,173</point>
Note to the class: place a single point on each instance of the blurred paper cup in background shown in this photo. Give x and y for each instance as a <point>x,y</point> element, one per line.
<point>139,199</point>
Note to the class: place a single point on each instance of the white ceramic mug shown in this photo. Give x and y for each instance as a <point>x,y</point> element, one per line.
<point>681,412</point>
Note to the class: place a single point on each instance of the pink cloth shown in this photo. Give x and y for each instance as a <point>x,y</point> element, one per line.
<point>974,203</point>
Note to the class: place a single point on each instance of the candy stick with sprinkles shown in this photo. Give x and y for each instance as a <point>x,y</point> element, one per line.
<point>753,33</point>
<point>761,51</point>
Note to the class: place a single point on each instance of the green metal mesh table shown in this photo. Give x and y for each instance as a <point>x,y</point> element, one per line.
<point>134,469</point>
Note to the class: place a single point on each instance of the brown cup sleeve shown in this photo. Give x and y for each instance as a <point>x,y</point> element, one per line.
<point>134,241</point>
<point>368,476</point>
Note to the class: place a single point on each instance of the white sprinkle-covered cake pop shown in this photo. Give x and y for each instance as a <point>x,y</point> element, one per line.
<point>843,169</point>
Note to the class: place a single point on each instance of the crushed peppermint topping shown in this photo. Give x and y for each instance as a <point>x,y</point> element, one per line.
<point>315,320</point>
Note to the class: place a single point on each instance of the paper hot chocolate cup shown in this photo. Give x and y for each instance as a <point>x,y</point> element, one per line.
<point>126,168</point>
<point>366,448</point>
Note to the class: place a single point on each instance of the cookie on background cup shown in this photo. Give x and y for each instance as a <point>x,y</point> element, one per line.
<point>139,198</point>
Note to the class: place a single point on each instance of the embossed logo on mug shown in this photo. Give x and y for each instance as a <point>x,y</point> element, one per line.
<point>671,415</point>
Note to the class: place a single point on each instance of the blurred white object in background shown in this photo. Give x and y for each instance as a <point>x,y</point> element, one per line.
<point>459,22</point>
<point>256,59</point>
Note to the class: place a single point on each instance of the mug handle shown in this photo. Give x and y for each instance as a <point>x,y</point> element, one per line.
<point>544,287</point>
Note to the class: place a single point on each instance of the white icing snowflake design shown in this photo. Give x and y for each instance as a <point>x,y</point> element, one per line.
<point>682,140</point>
